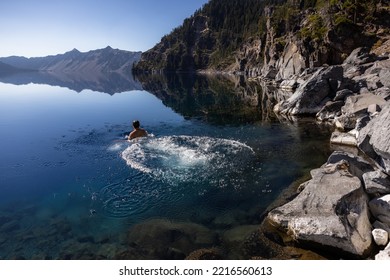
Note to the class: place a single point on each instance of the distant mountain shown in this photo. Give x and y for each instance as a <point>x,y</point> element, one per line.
<point>8,69</point>
<point>97,61</point>
<point>105,70</point>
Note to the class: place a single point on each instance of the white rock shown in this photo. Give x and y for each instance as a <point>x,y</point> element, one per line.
<point>384,254</point>
<point>381,237</point>
<point>343,139</point>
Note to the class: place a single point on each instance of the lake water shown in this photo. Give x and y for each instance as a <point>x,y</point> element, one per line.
<point>72,187</point>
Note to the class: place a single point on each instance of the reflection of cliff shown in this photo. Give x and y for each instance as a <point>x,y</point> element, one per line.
<point>111,82</point>
<point>214,97</point>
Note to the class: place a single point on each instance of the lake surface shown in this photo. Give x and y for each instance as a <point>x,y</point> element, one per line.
<point>72,187</point>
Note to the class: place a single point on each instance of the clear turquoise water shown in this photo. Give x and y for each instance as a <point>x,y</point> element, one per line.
<point>70,182</point>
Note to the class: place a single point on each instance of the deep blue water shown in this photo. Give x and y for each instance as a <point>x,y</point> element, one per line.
<point>68,176</point>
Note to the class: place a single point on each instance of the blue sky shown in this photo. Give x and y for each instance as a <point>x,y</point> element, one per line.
<point>46,27</point>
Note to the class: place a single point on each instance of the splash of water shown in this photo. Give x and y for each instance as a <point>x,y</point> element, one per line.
<point>172,169</point>
<point>186,158</point>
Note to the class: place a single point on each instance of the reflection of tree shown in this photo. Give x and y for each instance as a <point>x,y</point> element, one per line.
<point>216,98</point>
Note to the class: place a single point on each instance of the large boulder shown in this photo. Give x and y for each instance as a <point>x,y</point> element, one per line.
<point>331,211</point>
<point>380,209</point>
<point>374,138</point>
<point>356,106</point>
<point>376,182</point>
<point>359,56</point>
<point>358,62</point>
<point>381,71</point>
<point>313,94</point>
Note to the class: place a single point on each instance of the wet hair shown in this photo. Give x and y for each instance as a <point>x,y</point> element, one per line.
<point>136,124</point>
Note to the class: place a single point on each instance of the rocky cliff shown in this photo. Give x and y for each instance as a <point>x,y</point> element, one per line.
<point>274,39</point>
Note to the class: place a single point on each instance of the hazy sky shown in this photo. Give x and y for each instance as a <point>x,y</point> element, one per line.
<point>46,27</point>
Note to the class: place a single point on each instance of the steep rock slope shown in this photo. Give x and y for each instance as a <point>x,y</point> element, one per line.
<point>271,38</point>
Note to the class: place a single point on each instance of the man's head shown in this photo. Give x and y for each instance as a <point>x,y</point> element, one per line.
<point>136,124</point>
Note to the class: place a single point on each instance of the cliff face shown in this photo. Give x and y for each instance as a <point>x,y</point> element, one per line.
<point>274,39</point>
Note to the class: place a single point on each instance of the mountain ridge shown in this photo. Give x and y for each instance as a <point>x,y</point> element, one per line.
<point>97,61</point>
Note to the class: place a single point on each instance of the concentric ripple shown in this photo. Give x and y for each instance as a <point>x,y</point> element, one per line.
<point>129,197</point>
<point>175,170</point>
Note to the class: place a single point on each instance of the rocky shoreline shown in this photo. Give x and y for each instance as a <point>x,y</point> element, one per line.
<point>345,207</point>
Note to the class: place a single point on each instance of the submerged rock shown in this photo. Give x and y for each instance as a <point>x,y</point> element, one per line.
<point>164,239</point>
<point>206,254</point>
<point>331,211</point>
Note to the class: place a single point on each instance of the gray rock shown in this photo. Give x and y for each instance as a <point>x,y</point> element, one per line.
<point>330,111</point>
<point>376,182</point>
<point>381,237</point>
<point>384,254</point>
<point>341,138</point>
<point>381,69</point>
<point>288,84</point>
<point>373,108</point>
<point>359,56</point>
<point>346,122</point>
<point>357,165</point>
<point>330,211</point>
<point>290,63</point>
<point>374,138</point>
<point>380,209</point>
<point>313,94</point>
<point>378,224</point>
<point>362,122</point>
<point>383,92</point>
<point>341,95</point>
<point>357,105</point>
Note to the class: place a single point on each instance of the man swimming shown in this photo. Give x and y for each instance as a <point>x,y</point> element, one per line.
<point>137,132</point>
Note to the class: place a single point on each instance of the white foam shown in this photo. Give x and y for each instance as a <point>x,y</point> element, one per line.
<point>186,158</point>
<point>135,157</point>
<point>116,147</point>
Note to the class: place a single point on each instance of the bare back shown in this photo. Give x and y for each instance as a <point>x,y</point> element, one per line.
<point>138,132</point>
